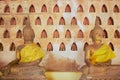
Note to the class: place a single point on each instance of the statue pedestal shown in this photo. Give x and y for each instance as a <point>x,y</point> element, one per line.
<point>22,72</point>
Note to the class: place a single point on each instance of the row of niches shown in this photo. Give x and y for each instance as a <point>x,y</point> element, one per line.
<point>56,8</point>
<point>62,46</point>
<point>50,21</point>
<point>56,34</point>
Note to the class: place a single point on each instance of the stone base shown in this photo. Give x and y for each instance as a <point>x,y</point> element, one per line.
<point>22,72</point>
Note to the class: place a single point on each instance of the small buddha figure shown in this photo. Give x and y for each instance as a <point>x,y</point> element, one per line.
<point>19,34</point>
<point>62,21</point>
<point>44,8</point>
<point>13,21</point>
<point>1,21</point>
<point>86,21</point>
<point>38,21</point>
<point>1,47</point>
<point>7,9</point>
<point>49,47</point>
<point>67,34</point>
<point>44,34</point>
<point>56,34</point>
<point>62,47</point>
<point>74,47</point>
<point>56,8</point>
<point>6,34</point>
<point>32,9</point>
<point>97,55</point>
<point>50,21</point>
<point>28,56</point>
<point>74,21</point>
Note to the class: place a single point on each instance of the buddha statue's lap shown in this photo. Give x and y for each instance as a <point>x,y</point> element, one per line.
<point>28,56</point>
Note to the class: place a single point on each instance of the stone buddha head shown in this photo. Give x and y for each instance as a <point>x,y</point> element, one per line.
<point>28,32</point>
<point>97,32</point>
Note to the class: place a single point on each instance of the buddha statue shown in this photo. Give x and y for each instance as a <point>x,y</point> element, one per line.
<point>28,56</point>
<point>97,55</point>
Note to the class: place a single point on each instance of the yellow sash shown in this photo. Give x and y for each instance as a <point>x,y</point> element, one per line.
<point>30,52</point>
<point>103,54</point>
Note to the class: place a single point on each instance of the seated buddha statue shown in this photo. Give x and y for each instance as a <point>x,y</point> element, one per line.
<point>28,56</point>
<point>97,55</point>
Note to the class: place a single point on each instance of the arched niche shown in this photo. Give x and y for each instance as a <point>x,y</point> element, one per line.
<point>6,34</point>
<point>49,47</point>
<point>32,9</point>
<point>1,46</point>
<point>105,35</point>
<point>2,21</point>
<point>116,9</point>
<point>12,47</point>
<point>80,8</point>
<point>25,21</point>
<point>92,8</point>
<point>19,9</point>
<point>62,47</point>
<point>111,46</point>
<point>86,21</point>
<point>50,21</point>
<point>13,21</point>
<point>116,34</point>
<point>38,44</point>
<point>85,46</point>
<point>68,8</point>
<point>56,8</point>
<point>56,34</point>
<point>62,21</point>
<point>110,21</point>
<point>73,21</point>
<point>104,8</point>
<point>38,21</point>
<point>44,34</point>
<point>80,34</point>
<point>7,9</point>
<point>19,34</point>
<point>44,8</point>
<point>98,20</point>
<point>68,34</point>
<point>74,47</point>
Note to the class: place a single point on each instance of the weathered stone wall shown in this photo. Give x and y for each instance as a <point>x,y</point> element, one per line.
<point>67,18</point>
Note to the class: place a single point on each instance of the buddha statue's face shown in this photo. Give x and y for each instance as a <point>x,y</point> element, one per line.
<point>97,35</point>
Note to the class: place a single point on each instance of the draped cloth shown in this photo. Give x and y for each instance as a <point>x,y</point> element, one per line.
<point>103,54</point>
<point>29,53</point>
<point>28,68</point>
